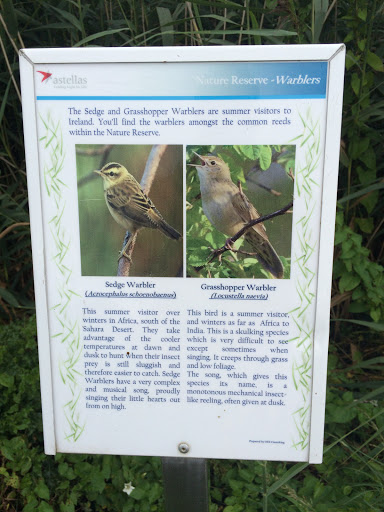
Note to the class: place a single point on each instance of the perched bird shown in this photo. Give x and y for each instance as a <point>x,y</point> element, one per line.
<point>129,205</point>
<point>228,209</point>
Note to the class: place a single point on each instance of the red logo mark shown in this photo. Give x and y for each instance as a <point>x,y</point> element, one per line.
<point>45,75</point>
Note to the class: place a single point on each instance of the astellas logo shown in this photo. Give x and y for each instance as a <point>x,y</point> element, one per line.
<point>45,75</point>
<point>72,81</point>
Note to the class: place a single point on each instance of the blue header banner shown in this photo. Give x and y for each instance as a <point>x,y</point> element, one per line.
<point>192,80</point>
<point>264,80</point>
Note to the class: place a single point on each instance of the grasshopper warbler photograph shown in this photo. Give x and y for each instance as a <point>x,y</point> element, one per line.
<point>228,187</point>
<point>112,202</point>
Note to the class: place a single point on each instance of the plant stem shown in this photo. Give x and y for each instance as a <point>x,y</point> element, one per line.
<point>153,161</point>
<point>265,497</point>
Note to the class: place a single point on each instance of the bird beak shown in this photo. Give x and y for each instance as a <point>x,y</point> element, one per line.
<point>201,158</point>
<point>100,174</point>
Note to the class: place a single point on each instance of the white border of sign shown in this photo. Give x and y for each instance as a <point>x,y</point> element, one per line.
<point>334,54</point>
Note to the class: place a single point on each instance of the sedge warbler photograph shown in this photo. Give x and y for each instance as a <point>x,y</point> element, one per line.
<point>131,206</point>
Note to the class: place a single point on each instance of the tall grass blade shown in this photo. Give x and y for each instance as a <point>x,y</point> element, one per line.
<point>319,12</point>
<point>165,19</point>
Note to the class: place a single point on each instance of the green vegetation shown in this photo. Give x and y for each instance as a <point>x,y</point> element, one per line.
<point>352,474</point>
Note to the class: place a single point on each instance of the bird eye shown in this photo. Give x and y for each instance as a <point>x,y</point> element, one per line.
<point>111,173</point>
<point>213,162</point>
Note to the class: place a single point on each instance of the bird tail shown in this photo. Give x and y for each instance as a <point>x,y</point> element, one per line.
<point>265,253</point>
<point>168,230</point>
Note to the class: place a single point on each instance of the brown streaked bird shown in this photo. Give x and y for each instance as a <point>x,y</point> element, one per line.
<point>228,209</point>
<point>129,205</point>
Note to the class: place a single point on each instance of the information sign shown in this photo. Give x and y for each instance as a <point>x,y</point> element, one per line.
<point>177,340</point>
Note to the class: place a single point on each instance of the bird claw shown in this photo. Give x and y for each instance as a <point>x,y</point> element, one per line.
<point>123,253</point>
<point>218,253</point>
<point>229,244</point>
<point>127,242</point>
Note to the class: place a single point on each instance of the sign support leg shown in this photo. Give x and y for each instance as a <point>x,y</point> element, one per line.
<point>185,484</point>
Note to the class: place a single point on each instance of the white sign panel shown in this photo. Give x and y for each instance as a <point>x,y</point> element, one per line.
<point>223,353</point>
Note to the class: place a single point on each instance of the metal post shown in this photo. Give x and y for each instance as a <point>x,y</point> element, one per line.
<point>185,484</point>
